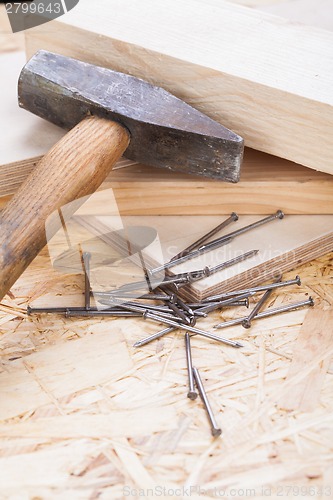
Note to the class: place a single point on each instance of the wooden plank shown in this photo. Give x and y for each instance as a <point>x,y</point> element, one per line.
<point>262,76</point>
<point>311,357</point>
<point>23,135</point>
<point>282,244</point>
<point>317,13</point>
<point>266,182</point>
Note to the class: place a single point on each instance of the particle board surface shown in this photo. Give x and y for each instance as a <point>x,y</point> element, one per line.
<point>264,77</point>
<point>311,357</point>
<point>139,429</point>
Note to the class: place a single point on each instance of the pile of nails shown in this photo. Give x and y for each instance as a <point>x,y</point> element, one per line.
<point>176,313</point>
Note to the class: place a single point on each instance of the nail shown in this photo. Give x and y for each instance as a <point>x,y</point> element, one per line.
<point>142,310</point>
<point>233,217</point>
<point>56,310</point>
<point>197,306</point>
<point>192,394</point>
<point>269,312</point>
<point>183,304</point>
<point>199,274</point>
<point>86,265</point>
<point>223,303</point>
<point>246,323</point>
<point>192,329</point>
<point>179,313</point>
<point>215,429</point>
<point>142,285</point>
<point>152,307</point>
<point>155,336</point>
<point>190,255</point>
<point>220,241</point>
<point>145,270</point>
<point>150,296</point>
<point>70,313</point>
<point>271,286</point>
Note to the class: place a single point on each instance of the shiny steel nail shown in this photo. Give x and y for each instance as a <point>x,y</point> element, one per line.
<point>86,265</point>
<point>233,217</point>
<point>215,429</point>
<point>269,312</point>
<point>70,313</point>
<point>223,303</point>
<point>220,241</point>
<point>155,336</point>
<point>192,393</point>
<point>255,289</point>
<point>246,323</point>
<point>192,329</point>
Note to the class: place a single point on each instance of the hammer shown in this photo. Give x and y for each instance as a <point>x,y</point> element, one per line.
<point>107,113</point>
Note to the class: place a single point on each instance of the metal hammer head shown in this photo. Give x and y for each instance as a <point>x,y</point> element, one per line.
<point>165,131</point>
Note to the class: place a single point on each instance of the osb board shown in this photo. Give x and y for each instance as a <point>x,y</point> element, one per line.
<point>126,423</point>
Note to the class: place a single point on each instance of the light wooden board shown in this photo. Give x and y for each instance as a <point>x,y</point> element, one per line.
<point>282,244</point>
<point>266,182</point>
<point>317,13</point>
<point>264,77</point>
<point>23,135</point>
<point>311,357</point>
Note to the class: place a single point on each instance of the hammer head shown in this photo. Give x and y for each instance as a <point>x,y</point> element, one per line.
<point>165,131</point>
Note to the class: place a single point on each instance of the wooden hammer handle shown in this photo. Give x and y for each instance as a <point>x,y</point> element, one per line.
<point>75,167</point>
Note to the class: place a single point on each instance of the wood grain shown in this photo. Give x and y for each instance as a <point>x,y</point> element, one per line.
<point>283,245</point>
<point>263,77</point>
<point>266,182</point>
<point>312,353</point>
<point>74,168</point>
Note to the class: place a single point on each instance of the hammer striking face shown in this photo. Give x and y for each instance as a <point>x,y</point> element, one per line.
<point>164,131</point>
